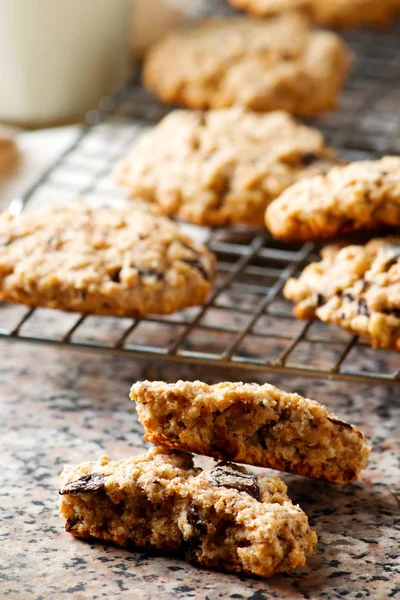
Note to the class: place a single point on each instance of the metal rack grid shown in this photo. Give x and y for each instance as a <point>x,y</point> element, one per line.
<point>246,322</point>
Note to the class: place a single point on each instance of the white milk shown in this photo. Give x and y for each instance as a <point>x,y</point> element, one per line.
<point>58,57</point>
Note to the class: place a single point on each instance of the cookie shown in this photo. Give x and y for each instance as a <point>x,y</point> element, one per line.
<point>253,424</point>
<point>339,13</point>
<point>280,63</point>
<point>222,166</point>
<point>356,287</point>
<point>127,261</point>
<point>224,517</point>
<point>361,195</point>
<point>9,152</point>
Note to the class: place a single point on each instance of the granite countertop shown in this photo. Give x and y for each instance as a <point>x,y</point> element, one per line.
<point>62,405</point>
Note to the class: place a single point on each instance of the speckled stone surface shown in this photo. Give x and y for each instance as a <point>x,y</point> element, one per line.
<point>61,405</point>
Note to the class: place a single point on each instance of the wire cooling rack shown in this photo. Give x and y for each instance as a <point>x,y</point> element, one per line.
<point>245,322</point>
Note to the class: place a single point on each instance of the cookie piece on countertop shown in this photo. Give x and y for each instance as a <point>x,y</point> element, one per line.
<point>356,287</point>
<point>223,517</point>
<point>336,13</point>
<point>253,424</point>
<point>124,262</point>
<point>361,195</point>
<point>222,166</point>
<point>279,63</point>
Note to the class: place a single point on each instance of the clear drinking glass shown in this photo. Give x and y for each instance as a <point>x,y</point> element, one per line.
<point>58,57</point>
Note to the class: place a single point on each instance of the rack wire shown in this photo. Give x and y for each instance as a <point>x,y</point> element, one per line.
<point>245,322</point>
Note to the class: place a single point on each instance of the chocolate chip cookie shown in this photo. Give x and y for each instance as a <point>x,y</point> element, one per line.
<point>279,63</point>
<point>361,195</point>
<point>253,424</point>
<point>356,287</point>
<point>224,517</point>
<point>127,261</point>
<point>222,166</point>
<point>337,13</point>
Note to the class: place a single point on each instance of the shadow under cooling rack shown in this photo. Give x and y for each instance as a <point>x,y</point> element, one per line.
<point>246,322</point>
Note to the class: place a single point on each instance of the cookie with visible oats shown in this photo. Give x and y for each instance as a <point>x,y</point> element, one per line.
<point>224,517</point>
<point>128,261</point>
<point>361,195</point>
<point>252,424</point>
<point>280,63</point>
<point>337,13</point>
<point>222,166</point>
<point>356,287</point>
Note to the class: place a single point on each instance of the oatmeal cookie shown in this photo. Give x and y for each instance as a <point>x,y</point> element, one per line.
<point>253,424</point>
<point>224,517</point>
<point>337,13</point>
<point>361,195</point>
<point>9,152</point>
<point>280,63</point>
<point>222,166</point>
<point>356,287</point>
<point>126,261</point>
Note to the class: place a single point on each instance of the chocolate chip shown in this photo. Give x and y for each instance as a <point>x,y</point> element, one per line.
<point>348,296</point>
<point>309,158</point>
<point>70,524</point>
<point>231,476</point>
<point>284,415</point>
<point>93,482</point>
<point>390,263</point>
<point>189,548</point>
<point>365,285</point>
<point>196,264</point>
<point>393,255</point>
<point>363,307</point>
<point>262,434</point>
<point>115,276</point>
<point>392,311</point>
<point>320,300</point>
<point>151,273</point>
<point>339,422</point>
<point>195,520</point>
<point>199,530</point>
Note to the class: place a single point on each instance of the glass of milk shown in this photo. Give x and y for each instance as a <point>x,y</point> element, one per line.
<point>58,57</point>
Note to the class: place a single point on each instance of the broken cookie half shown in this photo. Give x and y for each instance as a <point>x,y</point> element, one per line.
<point>223,517</point>
<point>253,424</point>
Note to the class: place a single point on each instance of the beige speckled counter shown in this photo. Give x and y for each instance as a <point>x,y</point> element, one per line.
<point>62,405</point>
